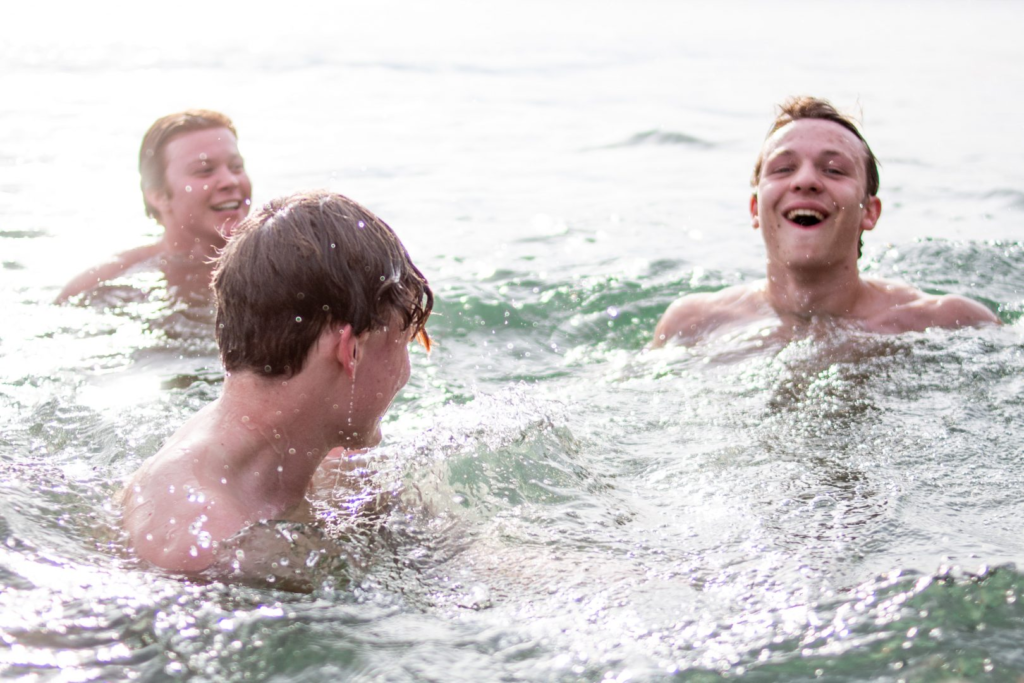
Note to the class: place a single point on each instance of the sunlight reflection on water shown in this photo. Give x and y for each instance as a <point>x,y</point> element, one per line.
<point>550,503</point>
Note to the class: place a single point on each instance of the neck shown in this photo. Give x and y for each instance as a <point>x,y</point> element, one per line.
<point>832,291</point>
<point>180,244</point>
<point>271,426</point>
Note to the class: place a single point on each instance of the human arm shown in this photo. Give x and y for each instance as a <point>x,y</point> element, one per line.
<point>83,282</point>
<point>682,322</point>
<point>950,311</point>
<point>953,311</point>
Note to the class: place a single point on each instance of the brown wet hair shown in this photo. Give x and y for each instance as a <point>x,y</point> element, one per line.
<point>302,263</point>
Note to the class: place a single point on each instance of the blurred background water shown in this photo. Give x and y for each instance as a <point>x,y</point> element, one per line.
<point>550,503</point>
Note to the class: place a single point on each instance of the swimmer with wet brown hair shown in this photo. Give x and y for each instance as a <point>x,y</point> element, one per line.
<point>194,184</point>
<point>815,194</point>
<point>317,301</point>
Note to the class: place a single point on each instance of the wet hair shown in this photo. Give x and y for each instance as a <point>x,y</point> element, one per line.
<point>302,263</point>
<point>152,162</point>
<point>805,107</point>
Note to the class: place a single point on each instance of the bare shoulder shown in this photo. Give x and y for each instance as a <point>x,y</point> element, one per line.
<point>907,309</point>
<point>83,282</point>
<point>694,315</point>
<point>173,514</point>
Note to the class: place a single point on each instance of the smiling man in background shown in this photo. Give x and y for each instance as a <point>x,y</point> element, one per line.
<point>194,184</point>
<point>815,193</point>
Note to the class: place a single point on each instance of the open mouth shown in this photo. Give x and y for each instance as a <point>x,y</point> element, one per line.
<point>227,206</point>
<point>805,217</point>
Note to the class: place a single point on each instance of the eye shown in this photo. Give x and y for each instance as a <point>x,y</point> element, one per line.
<point>831,170</point>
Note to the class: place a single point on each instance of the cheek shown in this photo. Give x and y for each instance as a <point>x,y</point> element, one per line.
<point>406,368</point>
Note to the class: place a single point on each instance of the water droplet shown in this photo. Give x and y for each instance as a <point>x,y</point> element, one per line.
<point>206,187</point>
<point>245,418</point>
<point>188,188</point>
<point>300,296</point>
<point>298,318</point>
<point>291,451</point>
<point>267,368</point>
<point>277,436</point>
<point>326,307</point>
<point>280,468</point>
<point>382,278</point>
<point>223,480</point>
<point>362,224</point>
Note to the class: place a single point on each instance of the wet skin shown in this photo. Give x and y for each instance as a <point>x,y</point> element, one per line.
<point>206,195</point>
<point>811,206</point>
<point>251,455</point>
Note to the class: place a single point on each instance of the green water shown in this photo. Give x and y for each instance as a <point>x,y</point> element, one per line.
<point>552,503</point>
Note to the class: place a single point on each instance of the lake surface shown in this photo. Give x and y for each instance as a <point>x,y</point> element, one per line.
<point>550,503</point>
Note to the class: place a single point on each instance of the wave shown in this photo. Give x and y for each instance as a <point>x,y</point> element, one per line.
<point>662,137</point>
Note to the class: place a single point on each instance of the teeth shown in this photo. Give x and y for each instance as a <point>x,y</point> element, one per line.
<point>808,213</point>
<point>228,206</point>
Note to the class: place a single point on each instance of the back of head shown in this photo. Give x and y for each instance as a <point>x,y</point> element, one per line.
<point>804,107</point>
<point>302,263</point>
<point>152,162</point>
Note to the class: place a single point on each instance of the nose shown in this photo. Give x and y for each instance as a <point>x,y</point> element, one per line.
<point>806,178</point>
<point>228,177</point>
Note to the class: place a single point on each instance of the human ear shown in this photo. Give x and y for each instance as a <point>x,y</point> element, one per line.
<point>159,200</point>
<point>755,219</point>
<point>872,210</point>
<point>347,350</point>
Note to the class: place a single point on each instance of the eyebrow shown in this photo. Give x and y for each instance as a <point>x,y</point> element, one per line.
<point>784,151</point>
<point>201,161</point>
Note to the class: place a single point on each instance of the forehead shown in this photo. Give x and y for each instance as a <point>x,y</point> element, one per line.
<point>813,137</point>
<point>200,144</point>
